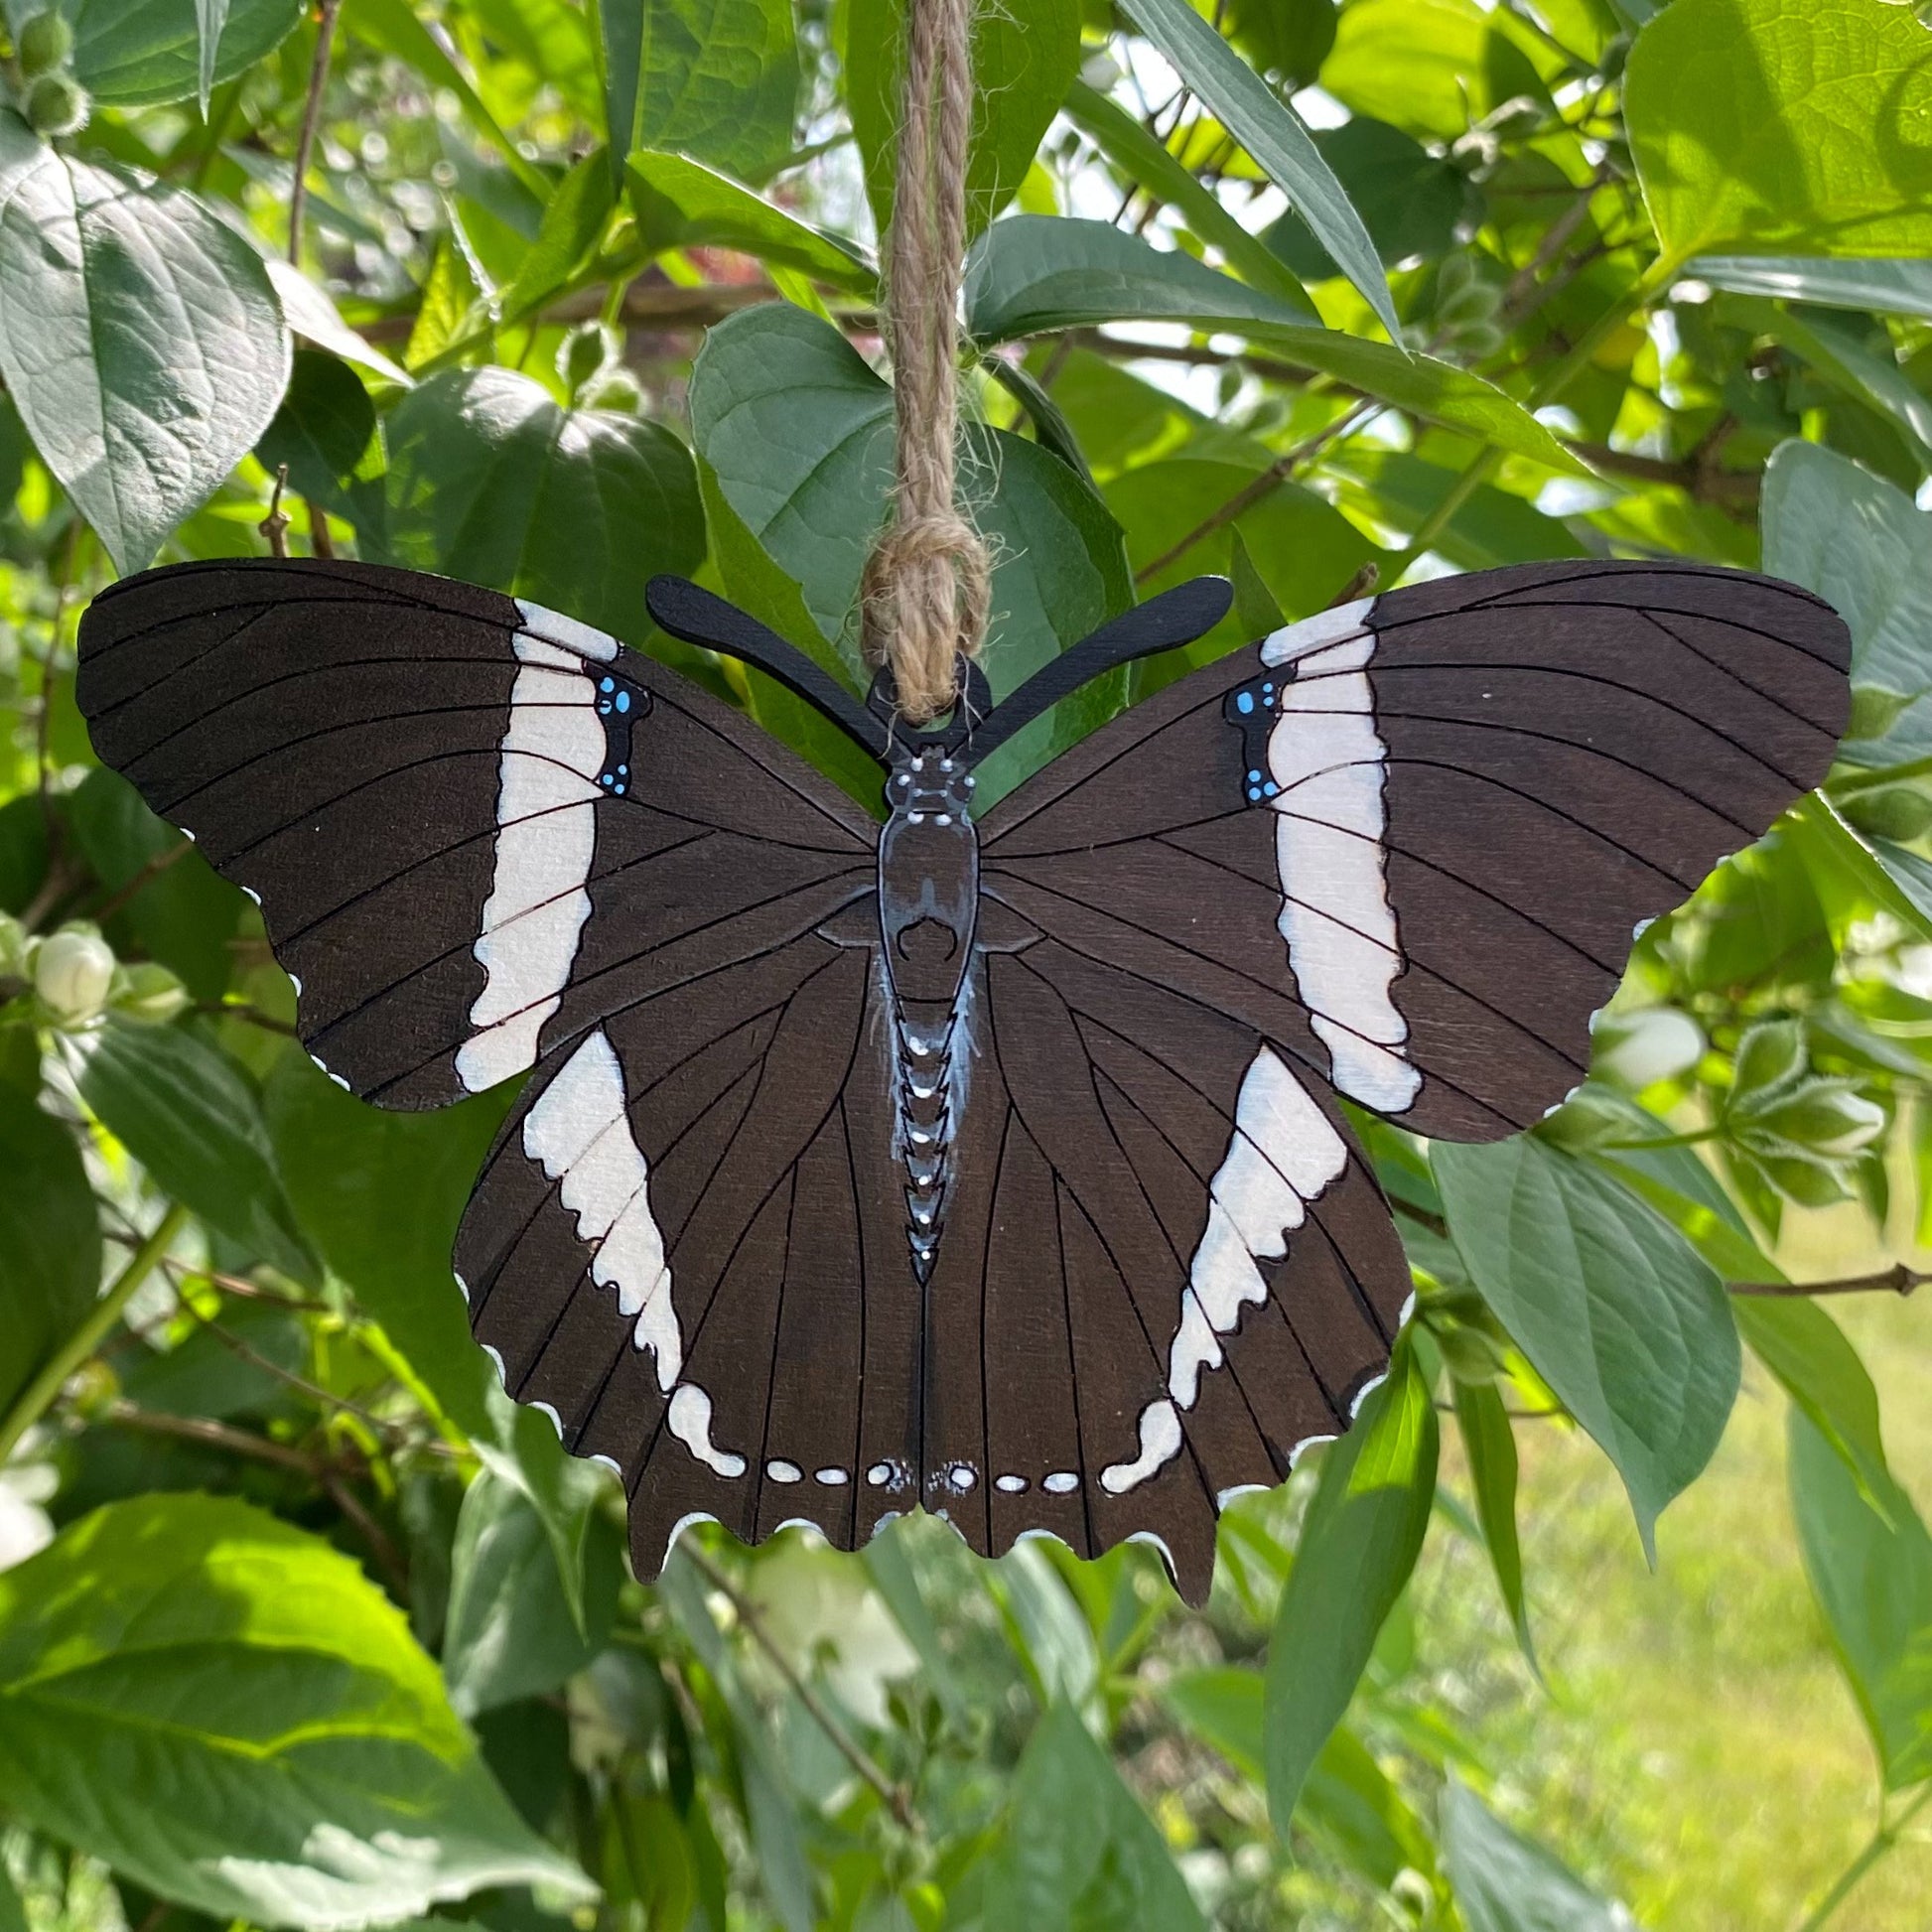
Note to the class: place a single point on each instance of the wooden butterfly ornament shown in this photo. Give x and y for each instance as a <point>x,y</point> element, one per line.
<point>991,1163</point>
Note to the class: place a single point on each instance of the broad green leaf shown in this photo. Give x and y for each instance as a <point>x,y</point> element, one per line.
<point>229,1713</point>
<point>1892,286</point>
<point>1138,155</point>
<point>1819,1369</point>
<point>13,1914</point>
<point>1872,1575</point>
<point>186,914</point>
<point>493,482</point>
<point>1433,67</point>
<point>553,40</point>
<point>1273,135</point>
<point>1863,369</point>
<point>380,1195</point>
<point>1867,549</point>
<point>682,203</point>
<point>1031,274</point>
<point>1490,1443</point>
<point>328,434</point>
<point>1024,60</point>
<point>1046,1627</point>
<point>1784,127</point>
<point>194,1118</point>
<point>573,218</point>
<point>310,313</point>
<point>50,1239</point>
<point>1506,1883</point>
<point>1614,1310</point>
<point>511,1631</point>
<point>1079,1853</point>
<point>1411,202</point>
<point>135,53</point>
<point>715,78</point>
<point>175,353</point>
<point>1360,1542</point>
<point>799,433</point>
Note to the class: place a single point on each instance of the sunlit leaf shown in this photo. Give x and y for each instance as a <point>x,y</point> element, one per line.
<point>136,55</point>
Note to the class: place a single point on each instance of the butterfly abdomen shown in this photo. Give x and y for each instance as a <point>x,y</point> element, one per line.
<point>928,897</point>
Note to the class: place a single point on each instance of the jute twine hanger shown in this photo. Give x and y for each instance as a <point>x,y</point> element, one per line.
<point>928,584</point>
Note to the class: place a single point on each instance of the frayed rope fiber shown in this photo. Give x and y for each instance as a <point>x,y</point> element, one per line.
<point>928,584</point>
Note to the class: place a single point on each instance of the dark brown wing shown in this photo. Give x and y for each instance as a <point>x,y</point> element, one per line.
<point>461,840</point>
<point>688,1246</point>
<point>1142,1176</point>
<point>1442,816</point>
<point>1397,851</point>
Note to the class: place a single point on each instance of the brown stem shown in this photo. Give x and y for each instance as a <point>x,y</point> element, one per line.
<point>1899,1280</point>
<point>153,868</point>
<point>1263,485</point>
<point>275,525</point>
<point>320,541</point>
<point>895,1795</point>
<point>253,1015</point>
<point>1555,240</point>
<point>306,141</point>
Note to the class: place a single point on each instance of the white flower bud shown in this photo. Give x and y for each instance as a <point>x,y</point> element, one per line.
<point>73,972</point>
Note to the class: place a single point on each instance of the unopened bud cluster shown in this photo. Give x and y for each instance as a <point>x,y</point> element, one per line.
<point>70,979</point>
<point>53,100</point>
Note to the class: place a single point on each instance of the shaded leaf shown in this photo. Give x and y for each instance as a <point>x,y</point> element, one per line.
<point>229,1712</point>
<point>1411,200</point>
<point>186,352</point>
<point>327,435</point>
<point>1506,1883</point>
<point>1360,1542</point>
<point>1614,1310</point>
<point>193,1118</point>
<point>492,480</point>
<point>134,53</point>
<point>1032,274</point>
<point>1872,1575</point>
<point>50,1239</point>
<point>1273,135</point>
<point>1490,1443</point>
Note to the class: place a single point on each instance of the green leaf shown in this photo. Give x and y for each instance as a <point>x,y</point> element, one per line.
<point>1079,1853</point>
<point>50,1239</point>
<point>553,40</point>
<point>1867,549</point>
<point>1784,127</point>
<point>310,313</point>
<point>715,78</point>
<point>1899,286</point>
<point>493,482</point>
<point>1273,135</point>
<point>1031,273</point>
<point>1819,1369</point>
<point>1138,155</point>
<point>135,53</point>
<point>379,1196</point>
<point>573,219</point>
<point>1490,1443</point>
<point>1872,1575</point>
<point>1492,528</point>
<point>1614,1310</point>
<point>799,433</point>
<point>682,203</point>
<point>1431,67</point>
<point>1412,202</point>
<point>13,1914</point>
<point>187,914</point>
<point>193,1118</point>
<point>229,1713</point>
<point>1024,60</point>
<point>1868,372</point>
<point>1505,1883</point>
<point>187,352</point>
<point>1360,1542</point>
<point>327,435</point>
<point>511,1631</point>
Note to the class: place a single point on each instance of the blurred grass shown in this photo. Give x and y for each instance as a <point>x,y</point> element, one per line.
<point>1700,1756</point>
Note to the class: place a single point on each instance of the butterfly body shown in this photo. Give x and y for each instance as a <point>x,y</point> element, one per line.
<point>993,1160</point>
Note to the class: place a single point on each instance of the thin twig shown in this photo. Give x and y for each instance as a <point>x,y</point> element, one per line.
<point>1892,1280</point>
<point>1263,485</point>
<point>320,541</point>
<point>253,1016</point>
<point>1554,240</point>
<point>153,868</point>
<point>275,525</point>
<point>895,1795</point>
<point>311,116</point>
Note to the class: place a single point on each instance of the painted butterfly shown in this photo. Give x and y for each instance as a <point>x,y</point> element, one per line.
<point>991,1162</point>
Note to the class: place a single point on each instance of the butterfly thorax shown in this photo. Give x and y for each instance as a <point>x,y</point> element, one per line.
<point>928,897</point>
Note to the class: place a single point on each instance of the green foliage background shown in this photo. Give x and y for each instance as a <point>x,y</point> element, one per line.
<point>301,1624</point>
